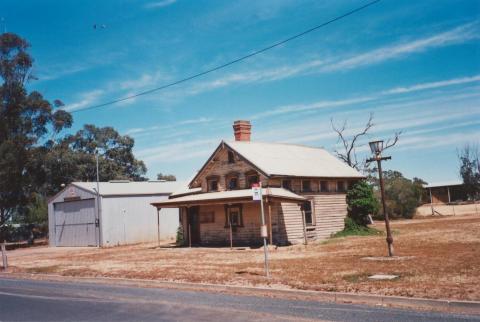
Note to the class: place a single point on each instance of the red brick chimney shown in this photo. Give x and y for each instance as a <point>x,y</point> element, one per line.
<point>242,130</point>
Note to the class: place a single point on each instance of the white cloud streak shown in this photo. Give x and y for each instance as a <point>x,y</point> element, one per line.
<point>433,85</point>
<point>159,4</point>
<point>297,108</point>
<point>86,99</point>
<point>456,35</point>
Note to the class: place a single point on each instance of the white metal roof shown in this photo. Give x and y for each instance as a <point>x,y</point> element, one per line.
<point>131,188</point>
<point>293,160</point>
<point>444,184</point>
<point>231,194</point>
<point>186,191</point>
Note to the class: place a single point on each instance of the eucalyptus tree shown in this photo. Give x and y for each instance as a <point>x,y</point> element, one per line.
<point>26,121</point>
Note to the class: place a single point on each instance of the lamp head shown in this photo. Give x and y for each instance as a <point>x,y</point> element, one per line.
<point>376,147</point>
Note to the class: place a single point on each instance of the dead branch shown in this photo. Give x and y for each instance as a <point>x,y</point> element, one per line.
<point>392,141</point>
<point>349,154</point>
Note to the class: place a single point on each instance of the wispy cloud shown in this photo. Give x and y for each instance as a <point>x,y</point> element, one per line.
<point>456,35</point>
<point>196,121</point>
<point>297,108</point>
<point>422,142</point>
<point>266,75</point>
<point>178,151</point>
<point>86,99</point>
<point>432,85</point>
<point>141,130</point>
<point>159,4</point>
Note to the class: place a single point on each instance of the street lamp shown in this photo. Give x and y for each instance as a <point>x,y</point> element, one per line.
<point>377,148</point>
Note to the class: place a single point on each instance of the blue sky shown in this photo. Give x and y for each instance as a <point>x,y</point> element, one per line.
<point>414,64</point>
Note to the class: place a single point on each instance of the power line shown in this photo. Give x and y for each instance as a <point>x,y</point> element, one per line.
<point>255,53</point>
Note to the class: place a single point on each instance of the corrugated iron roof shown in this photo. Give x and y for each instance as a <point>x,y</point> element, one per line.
<point>444,184</point>
<point>229,195</point>
<point>293,160</point>
<point>125,188</point>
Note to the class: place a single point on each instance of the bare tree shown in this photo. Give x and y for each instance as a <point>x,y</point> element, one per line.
<point>348,153</point>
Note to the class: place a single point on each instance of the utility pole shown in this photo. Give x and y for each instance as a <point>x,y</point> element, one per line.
<point>2,20</point>
<point>376,148</point>
<point>97,220</point>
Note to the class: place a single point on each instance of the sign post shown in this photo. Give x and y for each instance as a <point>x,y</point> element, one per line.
<point>257,196</point>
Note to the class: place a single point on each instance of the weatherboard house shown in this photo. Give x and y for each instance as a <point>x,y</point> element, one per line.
<point>303,189</point>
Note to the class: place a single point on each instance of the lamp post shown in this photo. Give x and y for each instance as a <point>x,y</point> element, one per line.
<point>377,147</point>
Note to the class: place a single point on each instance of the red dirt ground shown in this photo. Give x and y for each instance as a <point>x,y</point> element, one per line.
<point>438,258</point>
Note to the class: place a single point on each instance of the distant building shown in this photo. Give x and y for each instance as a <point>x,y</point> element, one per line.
<point>125,215</point>
<point>447,199</point>
<point>304,193</point>
<point>446,192</point>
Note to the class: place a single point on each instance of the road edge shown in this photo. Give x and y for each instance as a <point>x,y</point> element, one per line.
<point>437,305</point>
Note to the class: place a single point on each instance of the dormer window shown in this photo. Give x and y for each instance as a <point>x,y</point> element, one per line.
<point>252,179</point>
<point>212,184</point>
<point>231,157</point>
<point>233,183</point>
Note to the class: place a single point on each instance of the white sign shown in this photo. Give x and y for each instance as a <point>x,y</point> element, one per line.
<point>256,193</point>
<point>263,231</point>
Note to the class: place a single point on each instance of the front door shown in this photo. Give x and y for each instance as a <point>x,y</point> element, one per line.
<point>194,225</point>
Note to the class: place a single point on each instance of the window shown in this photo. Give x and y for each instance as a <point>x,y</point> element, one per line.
<point>233,183</point>
<point>306,186</point>
<point>252,179</point>
<point>233,216</point>
<point>287,184</point>
<point>207,217</point>
<point>324,186</point>
<point>231,157</point>
<point>341,186</point>
<point>212,184</point>
<point>309,214</point>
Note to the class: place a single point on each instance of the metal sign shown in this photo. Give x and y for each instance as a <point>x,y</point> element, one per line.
<point>72,192</point>
<point>264,231</point>
<point>256,192</point>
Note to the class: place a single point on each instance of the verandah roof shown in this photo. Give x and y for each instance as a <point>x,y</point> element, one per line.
<point>231,196</point>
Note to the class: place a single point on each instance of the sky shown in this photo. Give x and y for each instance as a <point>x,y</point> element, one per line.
<point>414,64</point>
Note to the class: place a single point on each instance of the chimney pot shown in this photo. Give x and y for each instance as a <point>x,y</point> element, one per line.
<point>242,130</point>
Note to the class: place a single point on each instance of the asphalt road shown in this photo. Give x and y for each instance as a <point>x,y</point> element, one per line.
<point>28,300</point>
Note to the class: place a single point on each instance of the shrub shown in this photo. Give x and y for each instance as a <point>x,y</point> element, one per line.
<point>180,240</point>
<point>361,202</point>
<point>354,229</point>
<point>402,195</point>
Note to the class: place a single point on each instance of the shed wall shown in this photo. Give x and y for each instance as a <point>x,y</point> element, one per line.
<point>132,219</point>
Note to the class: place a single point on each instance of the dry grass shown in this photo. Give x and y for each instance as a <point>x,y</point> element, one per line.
<point>439,259</point>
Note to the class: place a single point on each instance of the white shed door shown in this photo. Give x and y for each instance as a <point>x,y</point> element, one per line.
<point>75,223</point>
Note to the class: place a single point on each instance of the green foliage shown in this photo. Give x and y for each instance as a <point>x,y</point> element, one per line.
<point>361,202</point>
<point>25,121</point>
<point>35,159</point>
<point>470,170</point>
<point>166,177</point>
<point>402,195</point>
<point>180,240</point>
<point>37,210</point>
<point>354,229</point>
